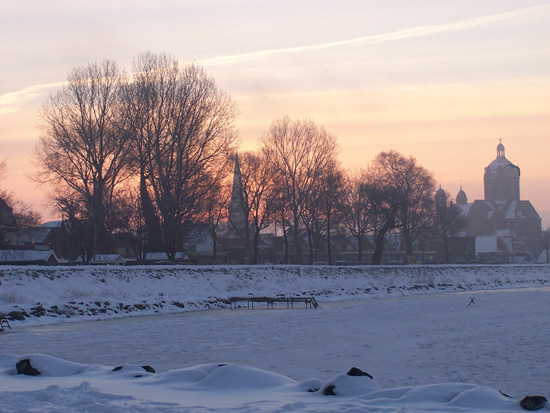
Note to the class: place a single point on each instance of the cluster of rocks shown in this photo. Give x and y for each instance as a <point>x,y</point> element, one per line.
<point>98,308</point>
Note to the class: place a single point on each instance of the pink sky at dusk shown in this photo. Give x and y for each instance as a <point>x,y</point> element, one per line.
<point>442,81</point>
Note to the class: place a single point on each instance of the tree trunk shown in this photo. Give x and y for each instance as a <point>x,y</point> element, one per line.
<point>297,245</point>
<point>380,237</point>
<point>151,220</point>
<point>407,241</point>
<point>359,248</point>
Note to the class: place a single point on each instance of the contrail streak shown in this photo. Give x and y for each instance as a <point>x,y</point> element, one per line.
<point>11,102</point>
<point>379,38</point>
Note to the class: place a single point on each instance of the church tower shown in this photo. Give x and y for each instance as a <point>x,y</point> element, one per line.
<point>501,178</point>
<point>236,207</point>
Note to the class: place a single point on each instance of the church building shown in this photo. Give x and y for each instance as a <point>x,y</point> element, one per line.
<point>506,228</point>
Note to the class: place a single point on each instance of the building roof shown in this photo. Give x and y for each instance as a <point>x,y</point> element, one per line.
<point>26,256</point>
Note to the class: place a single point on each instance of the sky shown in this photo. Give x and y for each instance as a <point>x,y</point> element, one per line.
<point>442,81</point>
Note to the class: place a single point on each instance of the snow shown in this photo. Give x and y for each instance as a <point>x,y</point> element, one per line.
<point>24,255</point>
<point>409,327</point>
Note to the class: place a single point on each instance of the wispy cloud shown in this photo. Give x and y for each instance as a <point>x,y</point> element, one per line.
<point>14,101</point>
<point>380,38</point>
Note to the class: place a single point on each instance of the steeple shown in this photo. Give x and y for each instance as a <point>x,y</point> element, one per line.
<point>236,207</point>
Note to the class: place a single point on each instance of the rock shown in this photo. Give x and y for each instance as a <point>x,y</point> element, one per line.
<point>353,383</point>
<point>25,367</point>
<point>329,390</point>
<point>16,315</point>
<point>354,372</point>
<point>533,402</point>
<point>148,369</point>
<point>38,311</point>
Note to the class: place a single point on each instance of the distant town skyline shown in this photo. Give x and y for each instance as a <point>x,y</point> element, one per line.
<point>442,81</point>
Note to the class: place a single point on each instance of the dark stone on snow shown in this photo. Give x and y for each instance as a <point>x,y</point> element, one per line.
<point>533,402</point>
<point>148,369</point>
<point>329,390</point>
<point>38,311</point>
<point>25,367</point>
<point>16,315</point>
<point>354,372</point>
<point>140,306</point>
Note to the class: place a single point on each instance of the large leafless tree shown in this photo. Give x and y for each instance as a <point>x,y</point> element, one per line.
<point>401,193</point>
<point>83,151</point>
<point>257,199</point>
<point>357,209</point>
<point>182,130</point>
<point>298,151</point>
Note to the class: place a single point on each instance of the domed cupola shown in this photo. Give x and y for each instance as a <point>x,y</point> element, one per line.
<point>461,198</point>
<point>501,150</point>
<point>501,178</point>
<point>440,201</point>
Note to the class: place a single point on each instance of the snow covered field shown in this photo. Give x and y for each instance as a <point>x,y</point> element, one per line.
<point>411,328</point>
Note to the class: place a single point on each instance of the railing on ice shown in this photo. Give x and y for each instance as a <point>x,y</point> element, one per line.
<point>310,302</point>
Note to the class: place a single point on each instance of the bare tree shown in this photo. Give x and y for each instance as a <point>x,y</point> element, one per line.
<point>298,151</point>
<point>401,192</point>
<point>332,190</point>
<point>253,196</point>
<point>130,210</point>
<point>182,129</point>
<point>215,211</point>
<point>258,197</point>
<point>357,211</point>
<point>323,209</point>
<point>417,199</point>
<point>82,150</point>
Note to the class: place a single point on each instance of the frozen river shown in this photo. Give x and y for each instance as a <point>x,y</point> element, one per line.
<point>501,340</point>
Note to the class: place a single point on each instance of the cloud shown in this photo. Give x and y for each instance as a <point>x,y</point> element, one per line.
<point>13,101</point>
<point>380,38</point>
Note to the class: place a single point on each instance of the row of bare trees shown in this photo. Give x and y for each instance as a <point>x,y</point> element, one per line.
<point>295,182</point>
<point>150,143</point>
<point>151,153</point>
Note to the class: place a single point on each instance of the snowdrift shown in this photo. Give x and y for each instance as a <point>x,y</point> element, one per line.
<point>224,387</point>
<point>48,294</point>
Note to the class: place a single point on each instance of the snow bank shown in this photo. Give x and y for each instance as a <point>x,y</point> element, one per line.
<point>221,387</point>
<point>49,294</point>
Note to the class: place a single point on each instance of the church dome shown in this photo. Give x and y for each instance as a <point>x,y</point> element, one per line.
<point>501,165</point>
<point>461,198</point>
